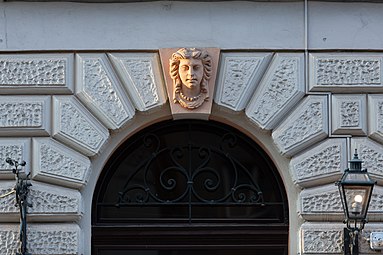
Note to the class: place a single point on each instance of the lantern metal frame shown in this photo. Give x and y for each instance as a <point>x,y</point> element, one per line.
<point>354,182</point>
<point>21,189</point>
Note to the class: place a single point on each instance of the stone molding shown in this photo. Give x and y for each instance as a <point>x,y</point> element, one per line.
<point>141,77</point>
<point>305,126</point>
<point>346,72</point>
<point>15,148</point>
<point>238,78</point>
<point>99,89</point>
<point>76,126</point>
<point>280,90</point>
<point>321,164</point>
<point>36,74</point>
<point>49,203</point>
<point>57,164</point>
<point>25,115</point>
<point>349,114</point>
<point>43,239</point>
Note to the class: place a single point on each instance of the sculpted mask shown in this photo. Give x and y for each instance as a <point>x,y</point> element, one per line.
<point>190,70</point>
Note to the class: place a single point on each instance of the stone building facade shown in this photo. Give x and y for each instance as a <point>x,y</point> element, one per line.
<point>303,79</point>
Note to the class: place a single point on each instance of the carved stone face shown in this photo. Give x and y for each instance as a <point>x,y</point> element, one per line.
<point>191,72</point>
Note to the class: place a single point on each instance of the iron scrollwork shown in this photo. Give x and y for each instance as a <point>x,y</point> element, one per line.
<point>188,175</point>
<point>21,190</point>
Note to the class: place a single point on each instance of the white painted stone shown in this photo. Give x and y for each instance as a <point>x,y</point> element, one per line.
<point>321,203</point>
<point>36,74</point>
<point>281,88</point>
<point>305,126</point>
<point>58,164</point>
<point>49,203</point>
<point>327,238</point>
<point>324,203</point>
<point>345,72</point>
<point>349,114</point>
<point>76,126</point>
<point>15,148</point>
<point>142,78</point>
<point>239,76</point>
<point>321,164</point>
<point>375,117</point>
<point>25,115</point>
<point>43,239</point>
<point>321,238</point>
<point>372,155</point>
<point>99,89</point>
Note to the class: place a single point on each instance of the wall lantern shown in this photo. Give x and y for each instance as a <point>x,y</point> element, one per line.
<point>355,188</point>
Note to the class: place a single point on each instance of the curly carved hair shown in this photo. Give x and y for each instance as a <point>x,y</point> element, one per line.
<point>188,53</point>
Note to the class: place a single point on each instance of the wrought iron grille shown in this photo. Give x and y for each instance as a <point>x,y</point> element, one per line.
<point>193,171</point>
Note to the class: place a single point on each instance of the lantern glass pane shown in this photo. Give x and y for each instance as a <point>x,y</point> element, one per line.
<point>357,177</point>
<point>356,200</point>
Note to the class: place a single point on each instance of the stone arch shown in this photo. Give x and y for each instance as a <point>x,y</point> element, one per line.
<point>307,126</point>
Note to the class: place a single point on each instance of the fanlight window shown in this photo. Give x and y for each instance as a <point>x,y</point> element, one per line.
<point>190,173</point>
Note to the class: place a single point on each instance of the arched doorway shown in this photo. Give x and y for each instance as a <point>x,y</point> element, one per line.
<point>189,187</point>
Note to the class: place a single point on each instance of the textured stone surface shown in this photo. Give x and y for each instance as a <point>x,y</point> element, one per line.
<point>324,238</point>
<point>305,126</point>
<point>57,164</point>
<point>141,76</point>
<point>324,203</point>
<point>100,90</point>
<point>335,72</point>
<point>17,149</point>
<point>322,164</point>
<point>281,88</point>
<point>36,73</point>
<point>372,155</point>
<point>375,117</point>
<point>75,126</point>
<point>48,203</point>
<point>239,76</point>
<point>349,114</point>
<point>43,239</point>
<point>23,115</point>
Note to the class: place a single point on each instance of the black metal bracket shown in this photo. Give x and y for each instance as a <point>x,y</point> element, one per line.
<point>351,246</point>
<point>22,189</point>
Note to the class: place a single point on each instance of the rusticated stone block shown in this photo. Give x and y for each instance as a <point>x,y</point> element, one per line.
<point>17,149</point>
<point>372,155</point>
<point>349,114</point>
<point>322,164</point>
<point>305,126</point>
<point>375,117</point>
<point>76,126</point>
<point>240,74</point>
<point>321,203</point>
<point>36,73</point>
<point>281,88</point>
<point>339,72</point>
<point>43,239</point>
<point>324,203</point>
<point>321,238</point>
<point>58,164</point>
<point>48,203</point>
<point>25,115</point>
<point>141,76</point>
<point>99,89</point>
<point>326,238</point>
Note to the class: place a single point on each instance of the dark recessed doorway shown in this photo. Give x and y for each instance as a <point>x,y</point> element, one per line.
<point>189,187</point>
